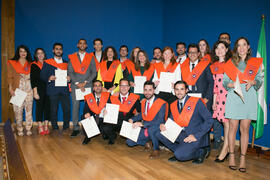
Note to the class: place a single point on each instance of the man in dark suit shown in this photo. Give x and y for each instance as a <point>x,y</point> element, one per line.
<point>94,104</point>
<point>128,102</point>
<point>56,94</point>
<point>197,74</point>
<point>154,111</point>
<point>192,141</point>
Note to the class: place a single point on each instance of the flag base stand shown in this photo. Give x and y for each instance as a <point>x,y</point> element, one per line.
<point>258,151</point>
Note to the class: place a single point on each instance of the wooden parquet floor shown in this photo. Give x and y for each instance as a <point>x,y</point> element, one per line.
<point>57,157</point>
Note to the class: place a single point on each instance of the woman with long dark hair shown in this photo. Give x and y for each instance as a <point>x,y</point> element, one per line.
<point>110,70</point>
<point>205,52</point>
<point>142,68</point>
<point>19,78</point>
<point>238,110</point>
<point>39,91</point>
<point>221,53</point>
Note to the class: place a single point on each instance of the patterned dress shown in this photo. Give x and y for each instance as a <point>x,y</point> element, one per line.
<point>221,93</point>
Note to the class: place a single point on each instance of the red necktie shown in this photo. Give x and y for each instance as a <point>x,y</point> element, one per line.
<point>123,101</point>
<point>147,109</point>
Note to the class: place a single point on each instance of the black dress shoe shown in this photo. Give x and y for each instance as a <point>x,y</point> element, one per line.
<point>201,158</point>
<point>105,137</point>
<point>111,142</point>
<point>86,140</point>
<point>172,159</point>
<point>208,150</point>
<point>75,133</point>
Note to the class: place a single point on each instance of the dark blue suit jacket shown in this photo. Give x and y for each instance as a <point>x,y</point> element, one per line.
<point>205,85</point>
<point>200,123</point>
<point>46,72</point>
<point>158,119</point>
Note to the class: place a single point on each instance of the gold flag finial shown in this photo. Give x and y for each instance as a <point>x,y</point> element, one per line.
<point>263,16</point>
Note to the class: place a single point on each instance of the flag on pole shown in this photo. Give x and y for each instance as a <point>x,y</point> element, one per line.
<point>262,92</point>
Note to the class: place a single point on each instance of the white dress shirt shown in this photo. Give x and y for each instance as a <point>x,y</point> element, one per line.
<point>121,97</point>
<point>81,56</point>
<point>183,58</point>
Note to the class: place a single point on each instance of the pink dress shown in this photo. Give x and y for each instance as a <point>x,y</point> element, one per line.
<point>221,93</point>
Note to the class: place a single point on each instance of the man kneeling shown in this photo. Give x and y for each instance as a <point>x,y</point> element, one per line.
<point>191,114</point>
<point>153,113</point>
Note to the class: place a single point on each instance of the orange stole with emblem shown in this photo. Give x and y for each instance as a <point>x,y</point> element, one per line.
<point>147,73</point>
<point>128,104</point>
<point>108,74</point>
<point>191,77</point>
<point>160,68</point>
<point>183,118</point>
<point>19,68</point>
<point>80,67</point>
<point>92,104</point>
<point>39,64</point>
<point>250,72</point>
<point>155,108</point>
<point>52,62</point>
<point>217,68</point>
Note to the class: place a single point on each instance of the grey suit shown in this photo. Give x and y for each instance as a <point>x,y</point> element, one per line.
<point>80,78</point>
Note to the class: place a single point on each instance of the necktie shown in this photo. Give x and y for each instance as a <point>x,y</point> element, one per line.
<point>123,101</point>
<point>148,107</point>
<point>180,60</point>
<point>193,87</point>
<point>97,115</point>
<point>193,66</point>
<point>181,107</point>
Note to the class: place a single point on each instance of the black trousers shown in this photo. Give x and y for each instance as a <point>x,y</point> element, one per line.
<point>111,129</point>
<point>64,99</point>
<point>42,107</point>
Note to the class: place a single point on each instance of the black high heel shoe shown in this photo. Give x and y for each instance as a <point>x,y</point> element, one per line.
<point>222,160</point>
<point>232,167</point>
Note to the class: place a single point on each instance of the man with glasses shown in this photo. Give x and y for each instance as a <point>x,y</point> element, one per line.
<point>128,103</point>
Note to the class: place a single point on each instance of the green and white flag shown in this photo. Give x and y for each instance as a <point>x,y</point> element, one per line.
<point>262,92</point>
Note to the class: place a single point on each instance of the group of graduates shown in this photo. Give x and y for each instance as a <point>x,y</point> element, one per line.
<point>202,96</point>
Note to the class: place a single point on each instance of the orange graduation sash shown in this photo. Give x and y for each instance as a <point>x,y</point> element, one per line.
<point>52,62</point>
<point>127,64</point>
<point>108,74</point>
<point>19,68</point>
<point>155,108</point>
<point>192,77</point>
<point>97,63</point>
<point>39,64</point>
<point>250,72</point>
<point>183,118</point>
<point>206,57</point>
<point>160,68</point>
<point>148,73</point>
<point>80,67</point>
<point>217,68</point>
<point>128,104</point>
<point>92,104</point>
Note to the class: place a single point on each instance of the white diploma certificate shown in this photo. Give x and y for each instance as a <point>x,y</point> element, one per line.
<point>80,95</point>
<point>129,132</point>
<point>166,80</point>
<point>90,127</point>
<point>112,113</point>
<point>19,97</point>
<point>238,90</point>
<point>139,81</point>
<point>61,77</point>
<point>172,130</point>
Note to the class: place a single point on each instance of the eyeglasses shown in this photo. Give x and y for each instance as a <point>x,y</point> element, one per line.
<point>192,52</point>
<point>124,85</point>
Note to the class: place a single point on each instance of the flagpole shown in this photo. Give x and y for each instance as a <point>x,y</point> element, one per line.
<point>253,133</point>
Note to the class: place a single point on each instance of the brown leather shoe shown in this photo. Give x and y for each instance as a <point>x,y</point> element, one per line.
<point>148,146</point>
<point>154,154</point>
